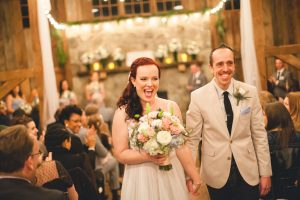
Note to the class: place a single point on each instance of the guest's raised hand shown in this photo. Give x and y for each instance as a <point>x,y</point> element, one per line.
<point>90,138</point>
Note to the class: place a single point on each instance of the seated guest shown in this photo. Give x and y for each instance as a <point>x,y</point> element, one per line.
<point>19,159</point>
<point>51,174</point>
<point>285,152</point>
<point>292,104</point>
<point>30,125</point>
<point>4,118</point>
<point>108,164</point>
<point>265,97</point>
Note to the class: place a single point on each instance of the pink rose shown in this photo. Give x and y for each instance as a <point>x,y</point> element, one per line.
<point>142,138</point>
<point>166,123</point>
<point>175,129</point>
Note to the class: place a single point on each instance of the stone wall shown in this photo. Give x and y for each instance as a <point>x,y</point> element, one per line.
<point>139,35</point>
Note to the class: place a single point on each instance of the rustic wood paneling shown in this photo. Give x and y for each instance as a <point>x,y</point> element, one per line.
<point>259,39</point>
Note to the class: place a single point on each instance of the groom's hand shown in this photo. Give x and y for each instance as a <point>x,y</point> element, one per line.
<point>265,186</point>
<point>192,188</point>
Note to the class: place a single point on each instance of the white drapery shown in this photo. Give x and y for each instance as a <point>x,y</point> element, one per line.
<point>50,90</point>
<point>250,67</point>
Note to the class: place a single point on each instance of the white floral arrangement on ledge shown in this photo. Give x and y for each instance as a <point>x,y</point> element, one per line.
<point>118,56</point>
<point>174,45</point>
<point>101,53</point>
<point>192,48</point>
<point>87,58</point>
<point>161,52</point>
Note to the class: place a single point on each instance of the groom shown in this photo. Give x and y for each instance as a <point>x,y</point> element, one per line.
<point>227,115</point>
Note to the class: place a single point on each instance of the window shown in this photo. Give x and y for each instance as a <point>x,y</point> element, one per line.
<point>136,7</point>
<point>168,5</point>
<point>105,8</point>
<point>25,13</point>
<point>232,5</point>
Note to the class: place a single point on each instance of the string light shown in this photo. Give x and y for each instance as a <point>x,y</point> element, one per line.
<point>218,7</point>
<point>63,26</point>
<point>53,22</point>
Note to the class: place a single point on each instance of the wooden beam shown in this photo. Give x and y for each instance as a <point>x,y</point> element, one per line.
<point>7,86</point>
<point>280,50</point>
<point>259,40</point>
<point>16,74</point>
<point>290,59</point>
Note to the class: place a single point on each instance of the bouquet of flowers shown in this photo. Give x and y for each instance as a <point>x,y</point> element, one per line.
<point>157,133</point>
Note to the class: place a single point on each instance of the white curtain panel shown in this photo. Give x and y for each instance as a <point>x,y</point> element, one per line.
<point>250,68</point>
<point>50,89</point>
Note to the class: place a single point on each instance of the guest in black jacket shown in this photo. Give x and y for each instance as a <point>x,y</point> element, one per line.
<point>58,141</point>
<point>285,152</point>
<point>19,158</point>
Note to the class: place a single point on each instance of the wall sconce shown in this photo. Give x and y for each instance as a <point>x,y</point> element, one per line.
<point>168,60</point>
<point>111,66</point>
<point>184,57</point>
<point>96,66</point>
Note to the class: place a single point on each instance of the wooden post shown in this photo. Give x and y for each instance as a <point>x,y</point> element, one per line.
<point>259,39</point>
<point>36,47</point>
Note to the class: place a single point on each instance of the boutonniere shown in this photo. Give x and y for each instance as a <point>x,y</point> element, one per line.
<point>240,94</point>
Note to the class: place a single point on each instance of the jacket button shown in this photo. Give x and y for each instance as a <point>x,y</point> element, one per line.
<point>229,158</point>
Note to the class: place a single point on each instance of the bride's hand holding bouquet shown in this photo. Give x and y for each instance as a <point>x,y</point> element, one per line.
<point>157,133</point>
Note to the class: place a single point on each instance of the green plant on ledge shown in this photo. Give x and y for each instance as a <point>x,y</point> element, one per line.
<point>220,26</point>
<point>60,52</point>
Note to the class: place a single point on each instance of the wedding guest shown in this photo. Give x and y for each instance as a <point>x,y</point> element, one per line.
<point>226,116</point>
<point>58,141</point>
<point>4,118</point>
<point>20,157</point>
<point>279,80</point>
<point>197,78</point>
<point>142,177</point>
<point>265,97</point>
<point>14,100</point>
<point>95,89</point>
<point>31,127</point>
<point>108,164</point>
<point>66,93</point>
<point>292,103</point>
<point>284,151</point>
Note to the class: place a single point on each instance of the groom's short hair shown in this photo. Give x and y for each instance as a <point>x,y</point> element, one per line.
<point>221,46</point>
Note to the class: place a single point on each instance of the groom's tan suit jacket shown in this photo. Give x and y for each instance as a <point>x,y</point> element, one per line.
<point>248,141</point>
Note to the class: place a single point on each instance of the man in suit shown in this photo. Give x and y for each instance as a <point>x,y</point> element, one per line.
<point>197,78</point>
<point>280,80</point>
<point>227,115</point>
<point>19,159</point>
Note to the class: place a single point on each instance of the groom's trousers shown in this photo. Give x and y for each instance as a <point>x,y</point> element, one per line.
<point>235,188</point>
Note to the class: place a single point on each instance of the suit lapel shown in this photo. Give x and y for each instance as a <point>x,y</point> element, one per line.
<point>236,109</point>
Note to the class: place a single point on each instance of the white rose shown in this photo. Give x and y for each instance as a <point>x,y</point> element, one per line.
<point>157,123</point>
<point>241,91</point>
<point>152,147</point>
<point>143,127</point>
<point>153,114</point>
<point>164,137</point>
<point>167,114</point>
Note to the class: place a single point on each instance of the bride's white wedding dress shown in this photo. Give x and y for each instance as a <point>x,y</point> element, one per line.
<point>147,182</point>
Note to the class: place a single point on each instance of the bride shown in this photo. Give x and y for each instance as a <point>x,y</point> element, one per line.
<point>142,177</point>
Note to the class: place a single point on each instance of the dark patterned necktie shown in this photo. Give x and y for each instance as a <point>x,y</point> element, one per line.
<point>229,112</point>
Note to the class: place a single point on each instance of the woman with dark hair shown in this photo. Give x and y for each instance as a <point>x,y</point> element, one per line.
<point>142,177</point>
<point>285,152</point>
<point>66,94</point>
